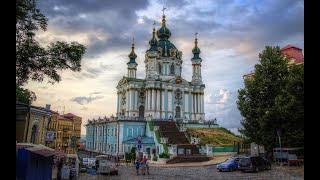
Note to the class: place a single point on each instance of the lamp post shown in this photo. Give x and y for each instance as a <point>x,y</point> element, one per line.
<point>279,138</point>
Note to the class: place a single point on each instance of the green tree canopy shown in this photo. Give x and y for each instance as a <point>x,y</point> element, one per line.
<point>24,95</point>
<point>34,61</point>
<point>273,99</point>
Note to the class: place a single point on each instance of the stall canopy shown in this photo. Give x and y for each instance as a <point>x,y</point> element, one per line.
<point>34,161</point>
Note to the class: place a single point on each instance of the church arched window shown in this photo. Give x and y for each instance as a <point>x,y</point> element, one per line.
<point>34,134</point>
<point>172,69</point>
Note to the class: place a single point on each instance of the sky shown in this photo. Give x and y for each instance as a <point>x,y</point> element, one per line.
<point>231,34</point>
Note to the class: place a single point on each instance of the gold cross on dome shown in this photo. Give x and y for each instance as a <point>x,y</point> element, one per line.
<point>163,10</point>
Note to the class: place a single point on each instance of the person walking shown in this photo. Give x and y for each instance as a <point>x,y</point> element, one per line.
<point>147,166</point>
<point>143,167</point>
<point>137,164</point>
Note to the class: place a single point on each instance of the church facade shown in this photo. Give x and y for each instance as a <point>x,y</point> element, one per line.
<point>162,95</point>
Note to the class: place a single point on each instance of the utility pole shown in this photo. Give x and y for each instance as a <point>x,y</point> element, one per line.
<point>279,138</point>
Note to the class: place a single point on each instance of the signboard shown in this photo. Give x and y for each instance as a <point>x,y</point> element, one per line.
<point>85,161</point>
<point>50,136</point>
<point>139,143</point>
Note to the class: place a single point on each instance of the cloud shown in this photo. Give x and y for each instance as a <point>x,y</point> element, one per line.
<point>85,100</point>
<point>231,35</point>
<point>221,104</point>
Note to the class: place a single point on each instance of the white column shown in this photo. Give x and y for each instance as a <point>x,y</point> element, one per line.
<point>158,100</point>
<point>186,105</point>
<point>198,104</point>
<point>147,100</point>
<point>153,102</point>
<point>127,100</point>
<point>193,104</point>
<point>150,99</point>
<point>129,94</point>
<point>136,100</point>
<point>169,101</point>
<point>162,102</point>
<point>132,99</point>
<point>202,103</point>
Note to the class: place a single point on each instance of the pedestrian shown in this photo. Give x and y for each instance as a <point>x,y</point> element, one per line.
<point>142,167</point>
<point>60,164</point>
<point>147,166</point>
<point>97,165</point>
<point>137,164</point>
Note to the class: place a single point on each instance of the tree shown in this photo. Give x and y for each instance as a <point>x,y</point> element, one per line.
<point>33,61</point>
<point>24,95</point>
<point>273,99</point>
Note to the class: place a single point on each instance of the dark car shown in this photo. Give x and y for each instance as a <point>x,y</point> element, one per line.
<point>229,165</point>
<point>253,164</point>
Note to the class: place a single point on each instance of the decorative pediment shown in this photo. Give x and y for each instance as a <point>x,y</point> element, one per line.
<point>179,80</point>
<point>122,81</point>
<point>173,52</point>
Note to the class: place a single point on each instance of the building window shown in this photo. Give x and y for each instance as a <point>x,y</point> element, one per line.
<point>172,69</point>
<point>34,134</point>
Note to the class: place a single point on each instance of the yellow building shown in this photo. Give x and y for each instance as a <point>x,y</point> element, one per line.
<point>31,123</point>
<point>64,127</point>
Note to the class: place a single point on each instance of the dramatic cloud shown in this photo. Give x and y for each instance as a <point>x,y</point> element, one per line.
<point>85,100</point>
<point>231,35</point>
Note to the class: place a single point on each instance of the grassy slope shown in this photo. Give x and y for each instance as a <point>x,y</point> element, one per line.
<point>215,136</point>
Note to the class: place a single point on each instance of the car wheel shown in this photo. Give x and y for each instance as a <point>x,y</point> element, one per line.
<point>220,170</point>
<point>269,167</point>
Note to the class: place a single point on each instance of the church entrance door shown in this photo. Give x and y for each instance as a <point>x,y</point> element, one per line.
<point>141,112</point>
<point>178,112</point>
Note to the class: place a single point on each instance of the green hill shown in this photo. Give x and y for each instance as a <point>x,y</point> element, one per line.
<point>214,136</point>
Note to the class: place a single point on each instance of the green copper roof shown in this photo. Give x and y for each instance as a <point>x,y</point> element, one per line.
<point>163,33</point>
<point>166,46</point>
<point>132,56</point>
<point>196,51</point>
<point>153,42</point>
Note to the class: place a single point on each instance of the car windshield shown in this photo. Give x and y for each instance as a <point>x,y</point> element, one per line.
<point>244,161</point>
<point>229,160</point>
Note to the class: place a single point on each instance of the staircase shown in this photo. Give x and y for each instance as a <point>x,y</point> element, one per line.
<point>169,130</point>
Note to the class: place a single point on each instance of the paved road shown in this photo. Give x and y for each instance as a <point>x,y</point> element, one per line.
<point>201,173</point>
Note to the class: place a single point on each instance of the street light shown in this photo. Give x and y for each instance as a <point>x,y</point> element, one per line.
<point>279,137</point>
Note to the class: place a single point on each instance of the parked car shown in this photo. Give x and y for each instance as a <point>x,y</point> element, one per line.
<point>230,164</point>
<point>106,166</point>
<point>253,164</point>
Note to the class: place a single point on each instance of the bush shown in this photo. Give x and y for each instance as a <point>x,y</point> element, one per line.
<point>164,155</point>
<point>127,157</point>
<point>155,158</point>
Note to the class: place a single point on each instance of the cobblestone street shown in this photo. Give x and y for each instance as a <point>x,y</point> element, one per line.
<point>206,172</point>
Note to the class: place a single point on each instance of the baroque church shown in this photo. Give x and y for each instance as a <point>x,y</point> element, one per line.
<point>153,113</point>
<point>163,93</point>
